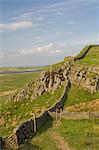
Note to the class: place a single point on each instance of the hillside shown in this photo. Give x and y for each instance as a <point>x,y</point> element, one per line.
<point>45,90</point>
<point>89,55</point>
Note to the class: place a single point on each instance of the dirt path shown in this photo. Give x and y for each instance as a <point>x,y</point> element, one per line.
<point>60,141</point>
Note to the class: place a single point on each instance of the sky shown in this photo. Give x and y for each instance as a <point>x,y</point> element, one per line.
<point>42,32</point>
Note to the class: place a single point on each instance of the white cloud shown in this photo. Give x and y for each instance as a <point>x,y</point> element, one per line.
<point>16,25</point>
<point>56,51</point>
<point>48,49</point>
<point>41,49</point>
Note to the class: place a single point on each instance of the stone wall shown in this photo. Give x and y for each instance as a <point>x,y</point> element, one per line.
<point>76,115</point>
<point>62,99</point>
<point>11,142</point>
<point>85,52</point>
<point>26,129</point>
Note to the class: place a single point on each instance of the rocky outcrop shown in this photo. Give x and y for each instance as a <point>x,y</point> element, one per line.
<point>49,81</point>
<point>87,77</point>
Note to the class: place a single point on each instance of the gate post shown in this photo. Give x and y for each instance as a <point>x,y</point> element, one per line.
<point>34,123</point>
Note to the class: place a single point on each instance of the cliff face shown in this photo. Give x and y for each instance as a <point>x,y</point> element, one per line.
<point>87,77</point>
<point>49,81</point>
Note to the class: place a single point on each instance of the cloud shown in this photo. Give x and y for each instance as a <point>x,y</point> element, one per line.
<point>56,51</point>
<point>16,25</point>
<point>48,49</point>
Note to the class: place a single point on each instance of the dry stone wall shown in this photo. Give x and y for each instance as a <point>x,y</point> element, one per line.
<point>85,52</point>
<point>76,115</point>
<point>26,129</point>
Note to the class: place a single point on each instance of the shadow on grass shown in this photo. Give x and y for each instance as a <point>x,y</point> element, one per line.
<point>48,124</point>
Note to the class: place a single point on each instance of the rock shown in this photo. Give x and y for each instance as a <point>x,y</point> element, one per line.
<point>49,81</point>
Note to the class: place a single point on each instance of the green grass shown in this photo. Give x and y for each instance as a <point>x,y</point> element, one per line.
<point>43,139</point>
<point>24,109</point>
<point>91,58</point>
<point>77,95</point>
<point>75,132</point>
<point>11,69</point>
<point>14,81</point>
<point>82,52</point>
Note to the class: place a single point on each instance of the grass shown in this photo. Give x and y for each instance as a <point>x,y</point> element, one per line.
<point>82,52</point>
<point>14,113</point>
<point>77,95</point>
<point>75,132</point>
<point>14,81</point>
<point>42,140</point>
<point>91,58</point>
<point>11,69</point>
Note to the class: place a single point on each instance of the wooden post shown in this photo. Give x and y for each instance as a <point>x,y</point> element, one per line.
<point>34,123</point>
<point>60,114</point>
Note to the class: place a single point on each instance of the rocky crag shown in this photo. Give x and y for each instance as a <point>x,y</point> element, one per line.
<point>49,81</point>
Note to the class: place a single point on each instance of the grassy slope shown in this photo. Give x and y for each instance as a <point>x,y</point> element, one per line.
<point>43,139</point>
<point>75,132</point>
<point>13,82</point>
<point>15,112</point>
<point>77,95</point>
<point>91,58</point>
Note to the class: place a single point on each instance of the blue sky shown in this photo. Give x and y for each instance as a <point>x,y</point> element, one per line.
<point>40,32</point>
